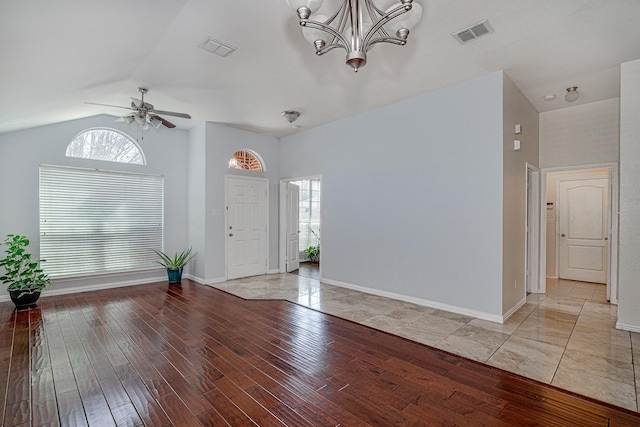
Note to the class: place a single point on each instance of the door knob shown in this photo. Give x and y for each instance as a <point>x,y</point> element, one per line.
<point>230,234</point>
<point>562,235</point>
<point>606,238</point>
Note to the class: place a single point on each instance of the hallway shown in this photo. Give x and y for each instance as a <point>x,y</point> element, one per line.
<point>566,338</point>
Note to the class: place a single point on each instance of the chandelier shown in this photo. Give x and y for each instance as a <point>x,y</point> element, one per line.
<point>356,26</point>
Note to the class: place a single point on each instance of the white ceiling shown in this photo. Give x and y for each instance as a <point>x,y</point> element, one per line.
<point>57,54</point>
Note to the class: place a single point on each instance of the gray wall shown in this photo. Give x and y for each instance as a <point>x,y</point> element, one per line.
<point>412,195</point>
<point>220,142</point>
<point>196,196</point>
<point>517,110</point>
<point>629,225</point>
<point>21,154</point>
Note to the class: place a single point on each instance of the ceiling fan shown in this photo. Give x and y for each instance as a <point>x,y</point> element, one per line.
<point>145,114</point>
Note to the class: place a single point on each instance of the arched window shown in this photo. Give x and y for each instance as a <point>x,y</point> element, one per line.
<point>105,144</point>
<point>246,159</point>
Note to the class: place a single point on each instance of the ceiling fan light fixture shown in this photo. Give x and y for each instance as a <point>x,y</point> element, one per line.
<point>572,94</point>
<point>156,122</point>
<point>356,26</point>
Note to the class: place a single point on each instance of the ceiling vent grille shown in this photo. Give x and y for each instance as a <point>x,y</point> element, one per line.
<point>214,46</point>
<point>473,32</point>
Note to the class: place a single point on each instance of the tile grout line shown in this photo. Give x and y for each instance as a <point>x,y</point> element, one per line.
<point>564,350</point>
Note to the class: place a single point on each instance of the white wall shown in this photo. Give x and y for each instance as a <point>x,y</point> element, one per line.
<point>584,135</point>
<point>412,195</point>
<point>629,225</point>
<point>516,110</point>
<point>22,152</point>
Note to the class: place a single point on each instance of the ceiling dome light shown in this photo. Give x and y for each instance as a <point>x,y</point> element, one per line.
<point>572,94</point>
<point>549,97</point>
<point>290,116</point>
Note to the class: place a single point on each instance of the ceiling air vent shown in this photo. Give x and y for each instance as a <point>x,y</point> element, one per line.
<point>473,32</point>
<point>214,46</point>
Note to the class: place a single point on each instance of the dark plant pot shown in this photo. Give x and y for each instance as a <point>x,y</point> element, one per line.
<point>24,301</point>
<point>174,274</point>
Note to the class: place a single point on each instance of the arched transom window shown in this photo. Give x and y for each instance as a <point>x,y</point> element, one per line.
<point>105,144</point>
<point>246,159</point>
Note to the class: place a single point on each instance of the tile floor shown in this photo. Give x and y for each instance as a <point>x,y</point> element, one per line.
<point>565,338</point>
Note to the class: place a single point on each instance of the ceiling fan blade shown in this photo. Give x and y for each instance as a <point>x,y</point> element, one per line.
<point>165,122</point>
<point>108,105</point>
<point>171,113</point>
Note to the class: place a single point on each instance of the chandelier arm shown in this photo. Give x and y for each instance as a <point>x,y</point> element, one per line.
<point>392,40</point>
<point>402,9</point>
<point>372,6</point>
<point>330,47</point>
<point>327,29</point>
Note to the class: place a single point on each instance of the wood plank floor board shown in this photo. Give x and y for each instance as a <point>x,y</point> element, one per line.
<point>227,409</point>
<point>191,355</point>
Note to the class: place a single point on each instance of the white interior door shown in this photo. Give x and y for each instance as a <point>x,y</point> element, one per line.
<point>247,214</point>
<point>583,229</point>
<point>293,232</point>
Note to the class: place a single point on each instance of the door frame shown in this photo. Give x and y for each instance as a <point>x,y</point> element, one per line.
<point>612,261</point>
<point>282,258</point>
<point>226,219</point>
<point>532,258</point>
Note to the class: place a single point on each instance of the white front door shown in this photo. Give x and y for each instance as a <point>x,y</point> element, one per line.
<point>293,236</point>
<point>583,229</point>
<point>247,215</point>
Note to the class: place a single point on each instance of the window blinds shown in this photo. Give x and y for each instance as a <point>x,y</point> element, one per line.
<point>97,222</point>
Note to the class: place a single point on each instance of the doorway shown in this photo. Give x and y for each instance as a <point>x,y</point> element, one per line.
<point>532,227</point>
<point>300,228</point>
<point>246,226</point>
<point>579,226</point>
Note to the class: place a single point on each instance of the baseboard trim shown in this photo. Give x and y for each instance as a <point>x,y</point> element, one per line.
<point>202,281</point>
<point>75,290</point>
<point>628,327</point>
<point>419,301</point>
<point>513,309</point>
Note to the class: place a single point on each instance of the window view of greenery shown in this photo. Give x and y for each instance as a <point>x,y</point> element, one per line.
<point>309,215</point>
<point>105,144</point>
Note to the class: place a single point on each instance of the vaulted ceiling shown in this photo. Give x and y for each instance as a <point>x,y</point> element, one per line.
<point>57,54</point>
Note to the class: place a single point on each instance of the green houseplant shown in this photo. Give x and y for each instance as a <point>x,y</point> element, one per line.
<point>24,277</point>
<point>175,264</point>
<point>313,252</point>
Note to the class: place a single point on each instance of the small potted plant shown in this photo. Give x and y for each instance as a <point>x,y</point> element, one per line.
<point>24,277</point>
<point>175,264</point>
<point>313,251</point>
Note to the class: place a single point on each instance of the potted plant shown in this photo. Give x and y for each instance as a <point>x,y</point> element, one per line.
<point>175,264</point>
<point>313,252</point>
<point>24,277</point>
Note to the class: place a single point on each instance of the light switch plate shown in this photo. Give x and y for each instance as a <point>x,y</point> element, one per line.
<point>516,144</point>
<point>518,129</point>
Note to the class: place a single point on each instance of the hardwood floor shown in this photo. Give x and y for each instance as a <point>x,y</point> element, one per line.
<point>190,355</point>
